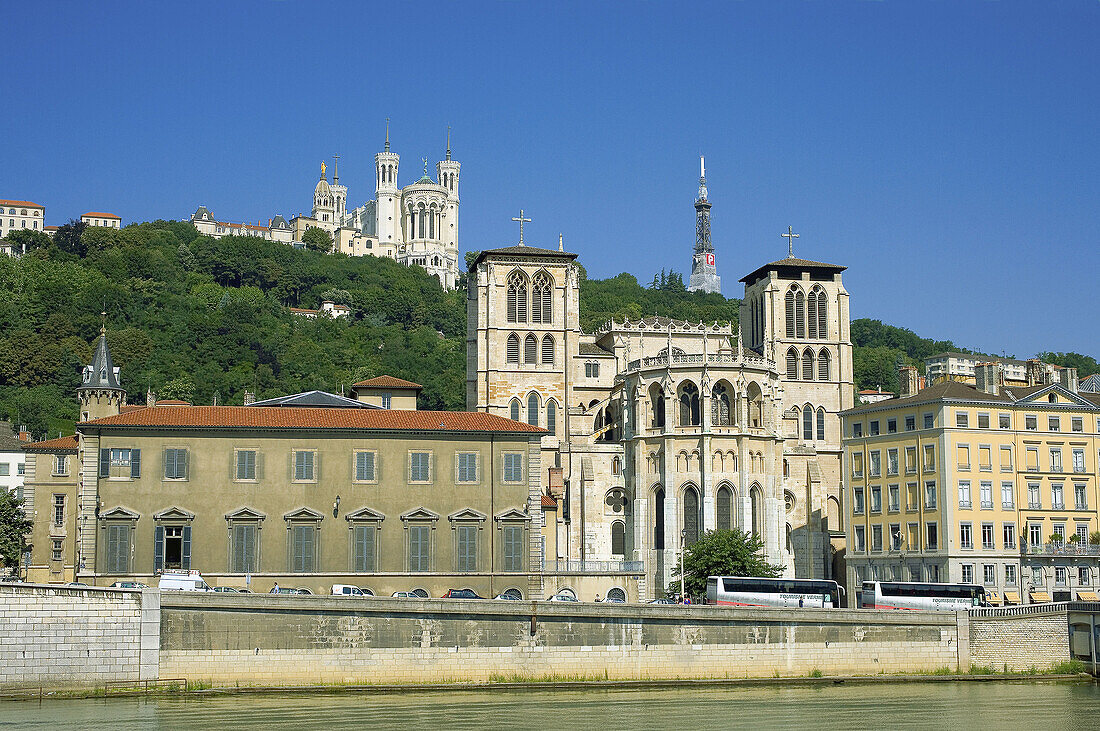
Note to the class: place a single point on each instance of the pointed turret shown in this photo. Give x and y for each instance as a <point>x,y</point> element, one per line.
<point>100,393</point>
<point>704,275</point>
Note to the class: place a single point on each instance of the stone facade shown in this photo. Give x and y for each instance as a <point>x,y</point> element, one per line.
<point>1021,642</point>
<point>660,429</point>
<point>72,636</point>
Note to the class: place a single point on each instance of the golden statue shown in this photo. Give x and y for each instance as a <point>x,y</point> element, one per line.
<point>322,168</point>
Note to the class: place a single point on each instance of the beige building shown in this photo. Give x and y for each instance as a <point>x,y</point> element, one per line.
<point>105,220</point>
<point>17,215</point>
<point>993,484</point>
<point>302,491</point>
<point>962,367</point>
<point>658,430</point>
<point>276,229</point>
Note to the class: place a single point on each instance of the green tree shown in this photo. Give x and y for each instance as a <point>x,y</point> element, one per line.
<point>317,239</point>
<point>14,526</point>
<point>67,238</point>
<point>721,553</point>
<point>28,239</point>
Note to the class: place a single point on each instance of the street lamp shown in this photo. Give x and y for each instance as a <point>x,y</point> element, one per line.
<point>683,541</point>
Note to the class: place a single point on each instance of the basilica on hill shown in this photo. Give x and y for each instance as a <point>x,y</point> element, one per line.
<point>658,429</point>
<point>414,224</point>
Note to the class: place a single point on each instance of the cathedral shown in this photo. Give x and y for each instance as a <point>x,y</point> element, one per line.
<point>659,429</point>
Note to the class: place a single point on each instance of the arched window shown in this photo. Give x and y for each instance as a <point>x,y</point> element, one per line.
<point>512,354</point>
<point>792,365</point>
<point>616,594</point>
<point>541,299</point>
<point>757,502</point>
<point>807,365</point>
<point>422,228</point>
<point>659,519</point>
<point>657,405</point>
<point>789,301</point>
<point>513,410</point>
<point>530,349</point>
<point>533,409</point>
<point>723,509</point>
<point>822,315</point>
<point>691,516</point>
<point>756,406</point>
<point>823,365</point>
<point>720,406</point>
<point>807,422</point>
<point>820,423</point>
<point>787,541</point>
<point>552,417</point>
<point>811,307</point>
<point>547,350</point>
<point>618,539</point>
<point>517,297</point>
<point>800,314</point>
<point>689,405</point>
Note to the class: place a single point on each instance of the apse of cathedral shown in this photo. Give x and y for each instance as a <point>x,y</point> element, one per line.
<point>659,430</point>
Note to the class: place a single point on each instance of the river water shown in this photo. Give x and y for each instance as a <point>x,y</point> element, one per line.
<point>979,706</point>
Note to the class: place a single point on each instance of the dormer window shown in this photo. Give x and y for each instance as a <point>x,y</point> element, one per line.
<point>103,375</point>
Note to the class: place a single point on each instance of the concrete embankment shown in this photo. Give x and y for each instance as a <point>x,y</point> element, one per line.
<point>85,637</point>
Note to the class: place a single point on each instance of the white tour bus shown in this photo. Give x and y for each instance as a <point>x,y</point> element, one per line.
<point>752,591</point>
<point>917,595</point>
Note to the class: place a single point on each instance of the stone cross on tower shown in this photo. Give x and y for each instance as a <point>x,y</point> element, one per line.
<point>335,169</point>
<point>522,221</point>
<point>790,236</point>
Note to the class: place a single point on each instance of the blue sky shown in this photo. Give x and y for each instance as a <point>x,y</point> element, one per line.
<point>946,152</point>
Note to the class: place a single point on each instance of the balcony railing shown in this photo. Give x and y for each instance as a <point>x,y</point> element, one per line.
<point>1060,549</point>
<point>566,566</point>
<point>698,358</point>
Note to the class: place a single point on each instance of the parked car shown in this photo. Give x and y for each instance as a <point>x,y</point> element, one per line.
<point>510,596</point>
<point>661,600</point>
<point>187,581</point>
<point>10,580</point>
<point>347,590</point>
<point>366,591</point>
<point>285,590</point>
<point>405,595</point>
<point>614,600</point>
<point>226,589</point>
<point>76,584</point>
<point>128,585</point>
<point>563,597</point>
<point>462,594</point>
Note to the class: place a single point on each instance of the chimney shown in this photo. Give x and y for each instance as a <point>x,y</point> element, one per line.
<point>24,435</point>
<point>908,381</point>
<point>1067,378</point>
<point>989,377</point>
<point>1035,372</point>
<point>249,398</point>
<point>150,397</point>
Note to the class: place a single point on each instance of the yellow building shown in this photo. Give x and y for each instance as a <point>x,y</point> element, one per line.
<point>992,484</point>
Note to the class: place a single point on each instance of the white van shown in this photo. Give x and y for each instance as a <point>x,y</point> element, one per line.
<point>184,581</point>
<point>347,590</point>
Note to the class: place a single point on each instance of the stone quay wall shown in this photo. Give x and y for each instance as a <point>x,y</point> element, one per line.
<point>267,640</point>
<point>1038,639</point>
<point>72,636</point>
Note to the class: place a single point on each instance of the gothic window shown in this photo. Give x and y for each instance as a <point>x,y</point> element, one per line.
<point>530,349</point>
<point>689,405</point>
<point>422,227</point>
<point>551,417</point>
<point>820,424</point>
<point>800,314</point>
<point>547,350</point>
<point>823,365</point>
<point>517,297</point>
<point>822,315</point>
<point>691,516</point>
<point>756,406</point>
<point>757,501</point>
<point>807,422</point>
<point>724,509</point>
<point>811,306</point>
<point>789,300</point>
<point>431,224</point>
<point>541,299</point>
<point>720,408</point>
<point>808,365</point>
<point>512,354</point>
<point>659,518</point>
<point>618,538</point>
<point>533,409</point>
<point>513,410</point>
<point>657,405</point>
<point>792,365</point>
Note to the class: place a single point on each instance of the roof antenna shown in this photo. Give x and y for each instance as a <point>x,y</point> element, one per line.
<point>387,135</point>
<point>448,142</point>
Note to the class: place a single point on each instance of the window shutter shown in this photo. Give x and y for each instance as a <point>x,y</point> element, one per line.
<point>158,548</point>
<point>182,459</point>
<point>135,463</point>
<point>186,552</point>
<point>168,457</point>
<point>104,463</point>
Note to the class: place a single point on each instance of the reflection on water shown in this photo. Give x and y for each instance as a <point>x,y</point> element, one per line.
<point>971,705</point>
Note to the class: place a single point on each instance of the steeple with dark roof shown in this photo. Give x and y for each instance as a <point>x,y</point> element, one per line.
<point>100,393</point>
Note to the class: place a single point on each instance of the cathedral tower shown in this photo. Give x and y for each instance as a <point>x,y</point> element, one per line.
<point>100,393</point>
<point>387,194</point>
<point>704,276</point>
<point>324,207</point>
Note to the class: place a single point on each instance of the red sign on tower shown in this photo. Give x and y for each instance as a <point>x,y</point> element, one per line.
<point>710,259</point>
